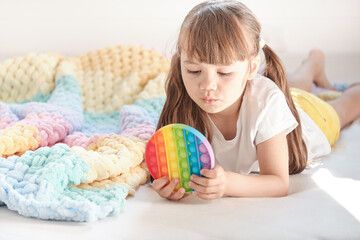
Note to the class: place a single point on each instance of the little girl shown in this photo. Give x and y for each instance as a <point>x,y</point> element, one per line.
<point>253,122</point>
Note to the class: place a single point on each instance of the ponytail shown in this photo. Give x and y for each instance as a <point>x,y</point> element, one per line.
<point>274,70</point>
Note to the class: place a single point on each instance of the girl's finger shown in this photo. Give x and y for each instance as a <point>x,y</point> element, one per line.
<point>186,195</point>
<point>204,181</point>
<point>212,173</point>
<point>203,189</point>
<point>166,191</point>
<point>207,196</point>
<point>160,183</point>
<point>177,195</point>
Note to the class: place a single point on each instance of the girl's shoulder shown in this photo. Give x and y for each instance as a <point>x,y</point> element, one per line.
<point>261,88</point>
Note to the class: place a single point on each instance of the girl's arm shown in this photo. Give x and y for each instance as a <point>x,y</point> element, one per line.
<point>273,180</point>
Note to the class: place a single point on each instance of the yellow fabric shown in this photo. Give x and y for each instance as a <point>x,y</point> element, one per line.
<point>17,139</point>
<point>109,78</point>
<point>328,95</point>
<point>323,114</point>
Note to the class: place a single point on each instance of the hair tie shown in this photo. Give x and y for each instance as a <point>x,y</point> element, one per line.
<point>261,43</point>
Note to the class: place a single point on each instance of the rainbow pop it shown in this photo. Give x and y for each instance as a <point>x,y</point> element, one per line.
<point>178,151</point>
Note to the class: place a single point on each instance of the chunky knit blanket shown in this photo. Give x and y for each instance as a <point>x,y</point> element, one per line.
<point>73,130</point>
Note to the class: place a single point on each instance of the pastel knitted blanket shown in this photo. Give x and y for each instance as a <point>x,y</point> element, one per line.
<point>73,130</point>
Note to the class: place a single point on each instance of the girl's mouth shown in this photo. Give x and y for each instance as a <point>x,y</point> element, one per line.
<point>209,100</point>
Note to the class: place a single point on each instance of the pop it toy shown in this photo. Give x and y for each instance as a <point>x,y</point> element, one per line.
<point>178,151</point>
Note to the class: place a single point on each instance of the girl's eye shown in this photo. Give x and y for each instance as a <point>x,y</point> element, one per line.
<point>224,73</point>
<point>193,72</point>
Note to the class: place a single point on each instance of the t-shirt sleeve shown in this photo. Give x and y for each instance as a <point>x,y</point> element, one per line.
<point>275,118</point>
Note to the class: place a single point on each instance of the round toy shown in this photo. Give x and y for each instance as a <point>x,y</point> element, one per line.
<point>178,151</point>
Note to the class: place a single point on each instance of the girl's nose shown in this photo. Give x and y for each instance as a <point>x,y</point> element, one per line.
<point>208,83</point>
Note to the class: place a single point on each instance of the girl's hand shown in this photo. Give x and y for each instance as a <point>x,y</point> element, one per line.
<point>212,185</point>
<point>166,189</point>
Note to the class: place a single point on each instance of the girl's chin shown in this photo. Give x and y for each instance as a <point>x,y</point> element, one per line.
<point>211,109</point>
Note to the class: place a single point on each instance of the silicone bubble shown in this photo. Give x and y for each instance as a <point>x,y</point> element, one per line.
<point>178,151</point>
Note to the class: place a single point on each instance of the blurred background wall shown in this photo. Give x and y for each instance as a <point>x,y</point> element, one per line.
<point>72,27</point>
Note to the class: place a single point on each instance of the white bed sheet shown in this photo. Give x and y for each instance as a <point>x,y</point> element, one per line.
<point>323,203</point>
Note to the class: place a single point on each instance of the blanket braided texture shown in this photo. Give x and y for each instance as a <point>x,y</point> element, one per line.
<point>73,130</point>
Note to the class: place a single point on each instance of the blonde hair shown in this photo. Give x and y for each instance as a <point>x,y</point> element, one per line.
<point>219,32</point>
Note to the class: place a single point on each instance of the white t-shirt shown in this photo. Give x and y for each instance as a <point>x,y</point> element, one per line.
<point>264,113</point>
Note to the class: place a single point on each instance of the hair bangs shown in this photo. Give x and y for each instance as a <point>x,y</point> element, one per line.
<point>214,36</point>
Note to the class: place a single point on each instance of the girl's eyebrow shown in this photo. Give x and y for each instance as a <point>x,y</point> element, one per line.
<point>190,62</point>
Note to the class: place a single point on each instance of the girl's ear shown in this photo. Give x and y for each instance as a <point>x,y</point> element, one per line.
<point>255,64</point>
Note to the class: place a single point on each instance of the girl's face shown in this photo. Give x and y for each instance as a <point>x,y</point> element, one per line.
<point>216,88</point>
